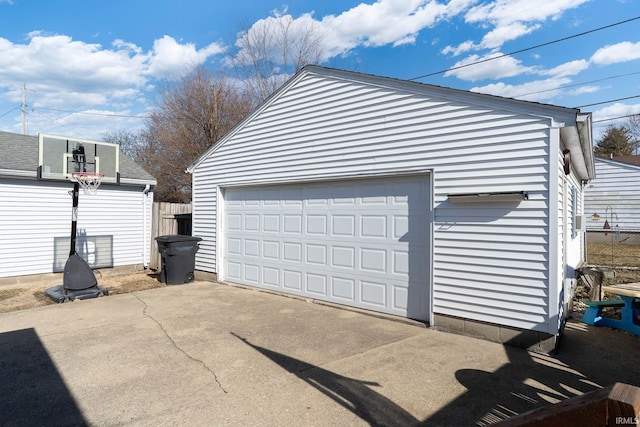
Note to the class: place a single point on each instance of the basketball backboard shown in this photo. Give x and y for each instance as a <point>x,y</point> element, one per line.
<point>59,157</point>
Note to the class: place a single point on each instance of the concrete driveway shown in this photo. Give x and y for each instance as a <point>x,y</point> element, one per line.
<point>211,354</point>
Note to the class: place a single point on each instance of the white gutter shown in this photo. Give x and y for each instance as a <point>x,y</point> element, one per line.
<point>578,140</point>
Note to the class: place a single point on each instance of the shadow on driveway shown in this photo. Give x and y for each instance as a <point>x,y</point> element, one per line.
<point>354,395</point>
<point>589,359</point>
<point>32,392</point>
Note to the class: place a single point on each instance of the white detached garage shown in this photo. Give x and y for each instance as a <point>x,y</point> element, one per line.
<point>431,203</point>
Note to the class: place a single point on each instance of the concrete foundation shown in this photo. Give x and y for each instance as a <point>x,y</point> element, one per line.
<point>540,342</point>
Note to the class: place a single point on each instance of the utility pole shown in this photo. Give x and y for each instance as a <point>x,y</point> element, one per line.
<point>24,108</point>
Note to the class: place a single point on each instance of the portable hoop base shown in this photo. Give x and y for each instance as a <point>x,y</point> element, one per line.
<point>78,281</point>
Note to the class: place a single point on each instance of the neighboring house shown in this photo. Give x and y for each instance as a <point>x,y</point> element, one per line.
<point>614,195</point>
<point>436,204</point>
<point>114,226</point>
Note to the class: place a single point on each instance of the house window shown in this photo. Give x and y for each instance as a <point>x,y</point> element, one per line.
<point>574,211</point>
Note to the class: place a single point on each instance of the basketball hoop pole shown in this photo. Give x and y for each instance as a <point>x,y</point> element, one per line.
<point>74,217</point>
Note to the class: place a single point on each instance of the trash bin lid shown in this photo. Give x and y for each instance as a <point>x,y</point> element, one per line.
<point>173,238</point>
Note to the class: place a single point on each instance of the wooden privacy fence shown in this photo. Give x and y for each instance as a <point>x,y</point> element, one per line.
<point>165,221</point>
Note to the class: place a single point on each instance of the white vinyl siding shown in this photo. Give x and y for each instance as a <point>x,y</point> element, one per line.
<point>617,187</point>
<point>35,225</point>
<point>490,259</point>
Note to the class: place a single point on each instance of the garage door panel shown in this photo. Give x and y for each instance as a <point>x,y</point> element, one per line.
<point>316,225</point>
<point>316,284</point>
<point>292,280</point>
<point>343,226</point>
<point>343,257</point>
<point>251,247</point>
<point>270,223</point>
<point>252,273</point>
<point>234,270</point>
<point>271,276</point>
<point>373,260</point>
<point>271,250</point>
<point>316,254</point>
<point>292,252</point>
<point>373,226</point>
<point>360,243</point>
<point>292,224</point>
<point>374,293</point>
<point>343,288</point>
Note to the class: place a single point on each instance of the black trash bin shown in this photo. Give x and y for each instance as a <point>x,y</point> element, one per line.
<point>178,254</point>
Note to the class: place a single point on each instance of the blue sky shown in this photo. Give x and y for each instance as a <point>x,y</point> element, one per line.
<point>94,66</point>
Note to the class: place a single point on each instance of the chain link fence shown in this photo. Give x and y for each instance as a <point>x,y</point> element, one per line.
<point>613,248</point>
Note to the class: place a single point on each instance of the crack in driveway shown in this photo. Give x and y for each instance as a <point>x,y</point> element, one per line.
<point>180,349</point>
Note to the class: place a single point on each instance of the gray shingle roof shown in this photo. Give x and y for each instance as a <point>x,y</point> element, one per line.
<point>20,153</point>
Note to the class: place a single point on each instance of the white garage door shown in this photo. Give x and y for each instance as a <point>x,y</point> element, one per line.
<point>362,243</point>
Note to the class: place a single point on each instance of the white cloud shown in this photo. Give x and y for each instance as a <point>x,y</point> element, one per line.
<point>58,64</point>
<point>65,74</point>
<point>461,48</point>
<point>485,67</point>
<point>531,91</point>
<point>616,110</point>
<point>503,33</point>
<point>76,73</point>
<point>570,68</point>
<point>385,22</point>
<point>512,19</point>
<point>170,59</point>
<point>86,124</point>
<point>541,89</point>
<point>620,52</point>
<point>585,89</point>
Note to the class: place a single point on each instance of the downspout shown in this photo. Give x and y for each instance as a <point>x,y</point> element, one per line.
<point>145,227</point>
<point>555,266</point>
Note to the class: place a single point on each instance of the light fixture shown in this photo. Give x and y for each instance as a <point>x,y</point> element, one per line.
<point>595,217</point>
<point>606,225</point>
<point>566,160</point>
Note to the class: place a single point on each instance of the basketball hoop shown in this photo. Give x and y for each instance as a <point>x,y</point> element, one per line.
<point>89,181</point>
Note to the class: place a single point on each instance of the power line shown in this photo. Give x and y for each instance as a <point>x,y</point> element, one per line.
<point>528,48</point>
<point>614,118</point>
<point>13,109</point>
<point>609,101</point>
<point>93,114</point>
<point>577,84</point>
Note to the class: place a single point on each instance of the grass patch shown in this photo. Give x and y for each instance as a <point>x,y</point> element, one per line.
<point>32,297</point>
<point>9,293</point>
<point>620,255</point>
<point>134,284</point>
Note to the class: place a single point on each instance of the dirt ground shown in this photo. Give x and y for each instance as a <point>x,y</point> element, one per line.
<point>22,298</point>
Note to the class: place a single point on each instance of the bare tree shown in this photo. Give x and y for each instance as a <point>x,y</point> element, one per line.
<point>273,49</point>
<point>190,117</point>
<point>132,143</point>
<point>633,124</point>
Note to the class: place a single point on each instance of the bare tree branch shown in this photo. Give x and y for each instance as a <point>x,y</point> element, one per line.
<point>272,50</point>
<point>190,117</point>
